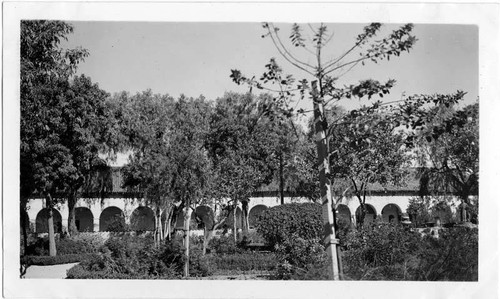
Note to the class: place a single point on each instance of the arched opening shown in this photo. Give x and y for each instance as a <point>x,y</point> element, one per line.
<point>142,219</point>
<point>42,217</point>
<point>343,213</point>
<point>370,215</point>
<point>391,213</point>
<point>239,219</point>
<point>254,214</point>
<point>112,219</point>
<point>204,216</point>
<point>84,219</point>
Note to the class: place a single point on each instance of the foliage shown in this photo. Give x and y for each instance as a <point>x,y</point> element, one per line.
<point>389,252</point>
<point>454,256</point>
<point>224,244</point>
<point>382,247</point>
<point>244,261</point>
<point>78,244</point>
<point>240,144</point>
<point>55,260</point>
<point>130,257</point>
<point>65,123</point>
<point>301,259</point>
<point>451,162</point>
<point>117,224</point>
<point>427,209</point>
<point>279,223</point>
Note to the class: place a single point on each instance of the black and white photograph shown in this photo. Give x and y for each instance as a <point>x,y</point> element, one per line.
<point>250,150</point>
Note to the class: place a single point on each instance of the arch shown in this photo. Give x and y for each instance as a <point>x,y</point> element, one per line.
<point>344,213</point>
<point>239,219</point>
<point>112,218</point>
<point>370,215</point>
<point>84,219</point>
<point>142,219</point>
<point>205,214</point>
<point>391,213</point>
<point>42,217</point>
<point>254,214</point>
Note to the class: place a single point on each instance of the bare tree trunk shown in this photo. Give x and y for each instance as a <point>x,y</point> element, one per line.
<point>24,202</point>
<point>329,235</point>
<point>208,235</point>
<point>234,221</point>
<point>282,184</point>
<point>168,223</point>
<point>72,199</point>
<point>52,239</point>
<point>187,222</point>
<point>244,205</point>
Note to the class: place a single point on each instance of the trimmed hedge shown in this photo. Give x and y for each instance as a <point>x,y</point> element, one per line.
<point>55,260</point>
<point>245,261</point>
<point>279,223</point>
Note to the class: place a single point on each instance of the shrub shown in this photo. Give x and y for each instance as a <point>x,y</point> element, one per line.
<point>453,256</point>
<point>56,260</point>
<point>301,258</point>
<point>384,247</point>
<point>277,224</point>
<point>117,224</point>
<point>131,257</point>
<point>224,245</point>
<point>245,261</point>
<point>80,243</point>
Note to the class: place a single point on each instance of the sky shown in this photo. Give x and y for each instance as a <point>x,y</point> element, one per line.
<point>196,58</point>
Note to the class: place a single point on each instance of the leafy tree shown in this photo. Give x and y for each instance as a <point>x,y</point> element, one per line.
<point>88,129</point>
<point>367,149</point>
<point>147,126</point>
<point>168,163</point>
<point>450,163</point>
<point>324,90</point>
<point>45,70</point>
<point>244,144</point>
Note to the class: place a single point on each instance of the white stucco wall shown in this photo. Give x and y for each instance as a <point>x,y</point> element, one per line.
<point>128,205</point>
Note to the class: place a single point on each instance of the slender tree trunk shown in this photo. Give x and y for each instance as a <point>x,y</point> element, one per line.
<point>187,222</point>
<point>244,205</point>
<point>50,221</point>
<point>158,228</point>
<point>168,223</point>
<point>328,214</point>
<point>24,202</point>
<point>208,235</point>
<point>282,184</point>
<point>72,229</point>
<point>234,222</point>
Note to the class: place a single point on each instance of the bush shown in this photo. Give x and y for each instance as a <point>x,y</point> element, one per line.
<point>77,244</point>
<point>277,224</point>
<point>224,245</point>
<point>55,260</point>
<point>389,252</point>
<point>383,247</point>
<point>452,257</point>
<point>301,258</point>
<point>117,224</point>
<point>246,261</point>
<point>130,257</point>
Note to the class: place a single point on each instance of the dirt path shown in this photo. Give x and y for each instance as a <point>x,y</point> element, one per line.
<point>55,271</point>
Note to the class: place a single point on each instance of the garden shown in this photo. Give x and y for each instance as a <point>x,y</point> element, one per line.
<point>184,152</point>
<point>293,251</point>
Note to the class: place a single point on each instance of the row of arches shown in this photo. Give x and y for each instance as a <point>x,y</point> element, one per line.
<point>390,213</point>
<point>143,218</point>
